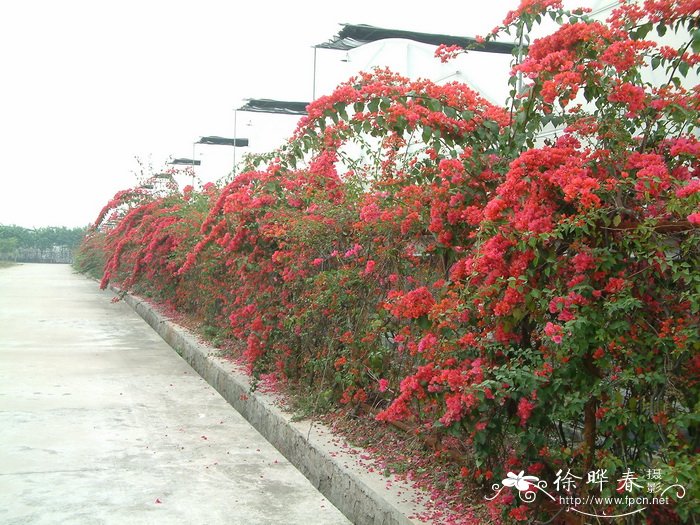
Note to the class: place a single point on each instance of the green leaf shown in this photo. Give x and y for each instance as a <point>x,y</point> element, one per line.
<point>642,31</point>
<point>695,43</point>
<point>433,105</point>
<point>401,123</point>
<point>491,125</point>
<point>423,322</point>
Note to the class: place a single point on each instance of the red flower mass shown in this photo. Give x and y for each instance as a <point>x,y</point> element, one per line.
<point>524,290</point>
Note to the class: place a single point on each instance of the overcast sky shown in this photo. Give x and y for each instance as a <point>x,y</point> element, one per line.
<point>88,85</point>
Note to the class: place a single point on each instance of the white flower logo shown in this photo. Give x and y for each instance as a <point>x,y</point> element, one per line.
<point>520,481</point>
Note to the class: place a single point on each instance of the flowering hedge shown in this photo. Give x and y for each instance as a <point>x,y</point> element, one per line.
<point>528,298</point>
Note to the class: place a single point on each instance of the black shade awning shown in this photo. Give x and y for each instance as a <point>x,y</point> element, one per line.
<point>221,141</point>
<point>265,105</point>
<point>189,162</point>
<point>352,36</point>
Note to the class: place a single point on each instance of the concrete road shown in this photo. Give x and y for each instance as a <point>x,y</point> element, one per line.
<point>101,422</point>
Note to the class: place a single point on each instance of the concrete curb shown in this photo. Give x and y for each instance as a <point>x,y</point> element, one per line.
<point>338,472</point>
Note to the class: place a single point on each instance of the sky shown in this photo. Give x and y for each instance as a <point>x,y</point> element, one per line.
<point>90,90</point>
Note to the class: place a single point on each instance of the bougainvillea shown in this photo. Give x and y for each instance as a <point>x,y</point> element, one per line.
<point>521,280</point>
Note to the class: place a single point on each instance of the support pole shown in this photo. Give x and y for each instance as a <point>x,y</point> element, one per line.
<point>193,162</point>
<point>235,137</point>
<point>313,90</point>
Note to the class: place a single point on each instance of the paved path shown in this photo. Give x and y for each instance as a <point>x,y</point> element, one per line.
<point>101,422</point>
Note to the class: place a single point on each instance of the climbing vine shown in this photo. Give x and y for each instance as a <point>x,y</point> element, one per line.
<point>519,284</point>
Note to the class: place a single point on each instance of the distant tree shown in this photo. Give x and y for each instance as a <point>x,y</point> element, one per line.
<point>7,247</point>
<point>16,242</point>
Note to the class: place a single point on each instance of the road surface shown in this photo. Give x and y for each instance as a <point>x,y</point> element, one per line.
<point>101,422</point>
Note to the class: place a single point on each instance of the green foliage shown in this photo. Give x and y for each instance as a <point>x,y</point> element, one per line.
<point>18,243</point>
